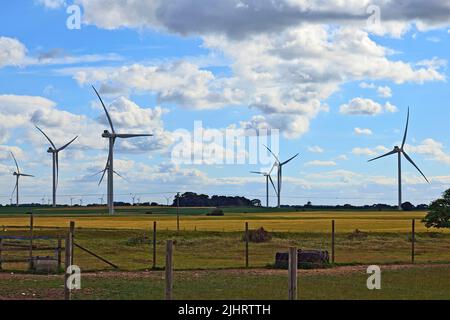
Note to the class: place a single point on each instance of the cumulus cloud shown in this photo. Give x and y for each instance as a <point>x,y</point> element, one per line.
<point>366,107</point>
<point>180,82</point>
<point>12,52</point>
<point>241,18</point>
<point>52,4</point>
<point>432,148</point>
<point>363,132</point>
<point>369,151</point>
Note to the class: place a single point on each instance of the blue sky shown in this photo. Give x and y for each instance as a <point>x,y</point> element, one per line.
<point>338,90</point>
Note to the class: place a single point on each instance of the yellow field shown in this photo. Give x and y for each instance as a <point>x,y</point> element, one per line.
<point>293,222</point>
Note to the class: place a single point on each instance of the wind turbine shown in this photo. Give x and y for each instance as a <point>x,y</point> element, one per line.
<point>268,178</point>
<point>55,154</point>
<point>280,166</point>
<point>112,136</point>
<point>401,151</point>
<point>17,174</point>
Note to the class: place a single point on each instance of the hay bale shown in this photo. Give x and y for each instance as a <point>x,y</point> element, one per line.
<point>258,236</point>
<point>307,259</point>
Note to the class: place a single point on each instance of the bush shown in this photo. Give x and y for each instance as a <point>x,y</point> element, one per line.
<point>258,236</point>
<point>216,213</point>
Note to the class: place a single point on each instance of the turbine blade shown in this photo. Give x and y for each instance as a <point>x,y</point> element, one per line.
<point>15,161</point>
<point>103,171</point>
<point>271,170</point>
<point>286,162</point>
<point>120,176</point>
<point>49,140</point>
<point>412,162</point>
<point>276,158</point>
<point>127,136</point>
<point>273,184</point>
<point>26,175</point>
<point>106,110</point>
<point>385,155</point>
<point>406,131</point>
<point>256,172</point>
<point>15,188</point>
<point>65,146</point>
<point>103,175</point>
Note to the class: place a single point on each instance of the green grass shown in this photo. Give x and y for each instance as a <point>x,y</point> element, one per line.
<point>132,250</point>
<point>419,283</point>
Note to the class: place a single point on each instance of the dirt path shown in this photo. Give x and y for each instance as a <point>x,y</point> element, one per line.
<point>237,272</point>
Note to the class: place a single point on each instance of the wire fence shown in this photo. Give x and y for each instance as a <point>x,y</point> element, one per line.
<point>196,249</point>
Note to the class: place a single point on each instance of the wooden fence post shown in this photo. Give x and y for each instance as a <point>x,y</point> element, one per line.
<point>246,245</point>
<point>293,266</point>
<point>68,259</point>
<point>1,247</point>
<point>169,270</point>
<point>413,241</point>
<point>30,256</point>
<point>72,237</point>
<point>333,241</point>
<point>58,254</point>
<point>154,245</point>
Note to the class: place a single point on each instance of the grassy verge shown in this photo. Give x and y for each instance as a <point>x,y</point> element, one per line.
<point>408,284</point>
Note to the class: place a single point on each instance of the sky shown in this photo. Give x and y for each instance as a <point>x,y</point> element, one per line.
<point>334,79</point>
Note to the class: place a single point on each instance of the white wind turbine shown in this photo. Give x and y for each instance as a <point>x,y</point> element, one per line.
<point>268,179</point>
<point>401,151</point>
<point>112,136</point>
<point>17,174</point>
<point>280,166</point>
<point>55,154</point>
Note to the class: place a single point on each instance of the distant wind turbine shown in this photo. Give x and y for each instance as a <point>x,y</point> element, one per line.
<point>280,166</point>
<point>17,174</point>
<point>268,178</point>
<point>401,151</point>
<point>112,136</point>
<point>55,154</point>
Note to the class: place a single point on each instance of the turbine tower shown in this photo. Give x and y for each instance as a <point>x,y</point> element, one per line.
<point>268,178</point>
<point>112,136</point>
<point>280,166</point>
<point>17,174</point>
<point>401,151</point>
<point>54,151</point>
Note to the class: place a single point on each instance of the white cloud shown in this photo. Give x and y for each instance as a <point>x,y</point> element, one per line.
<point>316,149</point>
<point>319,163</point>
<point>432,148</point>
<point>366,107</point>
<point>238,18</point>
<point>363,132</point>
<point>12,52</point>
<point>384,92</point>
<point>52,4</point>
<point>369,151</point>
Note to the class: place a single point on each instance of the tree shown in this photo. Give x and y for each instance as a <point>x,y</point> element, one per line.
<point>408,206</point>
<point>439,214</point>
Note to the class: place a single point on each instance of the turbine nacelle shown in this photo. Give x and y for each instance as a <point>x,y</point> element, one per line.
<point>107,134</point>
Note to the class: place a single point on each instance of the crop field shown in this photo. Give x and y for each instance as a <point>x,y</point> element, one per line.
<point>234,219</point>
<point>215,244</point>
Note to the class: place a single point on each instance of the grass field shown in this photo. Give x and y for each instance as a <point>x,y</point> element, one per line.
<point>234,219</point>
<point>215,244</point>
<point>411,283</point>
